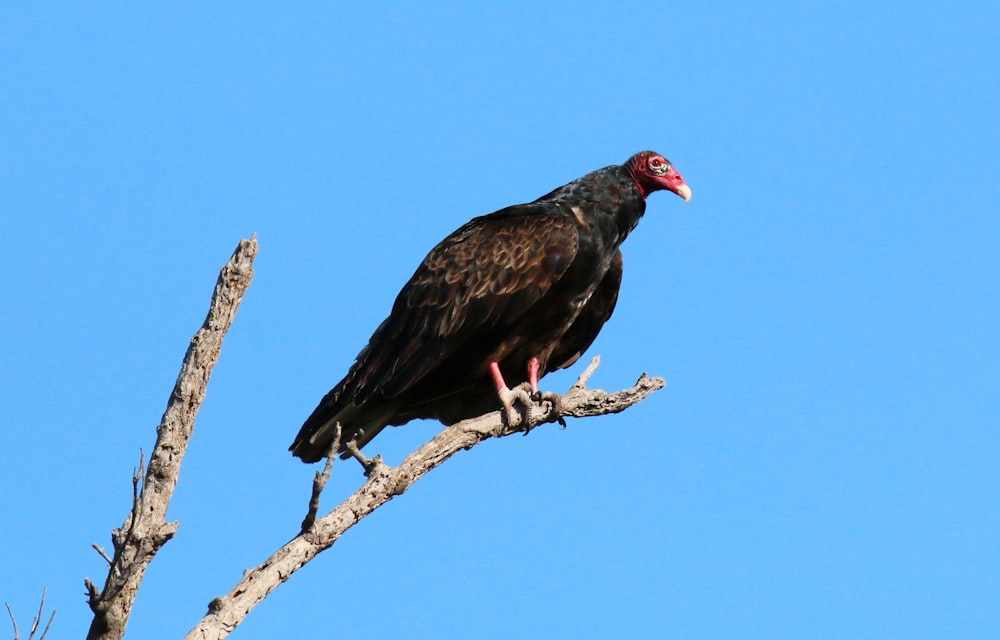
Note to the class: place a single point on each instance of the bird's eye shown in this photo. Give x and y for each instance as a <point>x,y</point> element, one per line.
<point>658,165</point>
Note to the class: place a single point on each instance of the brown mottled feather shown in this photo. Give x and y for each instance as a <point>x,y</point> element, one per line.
<point>481,278</point>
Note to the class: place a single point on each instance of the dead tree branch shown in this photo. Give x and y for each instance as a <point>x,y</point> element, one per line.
<point>145,529</point>
<point>319,482</point>
<point>384,483</point>
<point>37,620</point>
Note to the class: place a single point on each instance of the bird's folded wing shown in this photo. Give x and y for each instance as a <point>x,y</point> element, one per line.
<point>479,280</point>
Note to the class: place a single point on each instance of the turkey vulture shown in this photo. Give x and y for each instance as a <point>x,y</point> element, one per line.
<point>506,298</point>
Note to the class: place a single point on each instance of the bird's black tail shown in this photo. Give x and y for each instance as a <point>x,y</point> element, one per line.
<point>357,424</point>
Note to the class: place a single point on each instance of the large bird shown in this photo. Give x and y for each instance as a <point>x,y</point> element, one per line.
<point>505,299</point>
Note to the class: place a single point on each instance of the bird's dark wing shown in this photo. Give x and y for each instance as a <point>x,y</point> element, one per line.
<point>587,325</point>
<point>473,287</point>
<point>478,281</point>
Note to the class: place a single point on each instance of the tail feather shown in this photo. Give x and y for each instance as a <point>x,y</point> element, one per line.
<point>359,424</point>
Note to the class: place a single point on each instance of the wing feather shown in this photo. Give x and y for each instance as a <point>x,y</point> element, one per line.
<point>588,324</point>
<point>481,278</point>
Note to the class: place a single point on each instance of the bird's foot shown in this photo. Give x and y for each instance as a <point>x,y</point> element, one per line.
<point>555,401</point>
<point>521,392</point>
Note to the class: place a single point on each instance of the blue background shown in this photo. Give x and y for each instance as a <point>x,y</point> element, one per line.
<point>824,462</point>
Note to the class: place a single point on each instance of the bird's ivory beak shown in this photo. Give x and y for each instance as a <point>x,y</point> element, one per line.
<point>684,191</point>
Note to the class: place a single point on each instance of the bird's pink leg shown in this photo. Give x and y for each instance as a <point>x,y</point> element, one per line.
<point>507,395</point>
<point>533,365</point>
<point>498,380</point>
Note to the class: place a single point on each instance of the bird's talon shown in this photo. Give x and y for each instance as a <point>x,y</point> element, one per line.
<point>507,398</point>
<point>555,400</point>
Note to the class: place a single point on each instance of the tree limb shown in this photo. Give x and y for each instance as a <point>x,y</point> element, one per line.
<point>13,621</point>
<point>37,620</point>
<point>385,482</point>
<point>319,482</point>
<point>145,529</point>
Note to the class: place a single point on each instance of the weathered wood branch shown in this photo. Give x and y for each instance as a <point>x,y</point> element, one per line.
<point>145,529</point>
<point>37,620</point>
<point>384,483</point>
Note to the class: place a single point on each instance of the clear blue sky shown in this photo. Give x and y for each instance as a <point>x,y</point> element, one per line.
<point>824,462</point>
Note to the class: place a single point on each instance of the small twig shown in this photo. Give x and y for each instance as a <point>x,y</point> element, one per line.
<point>366,463</point>
<point>123,533</point>
<point>93,595</point>
<point>48,624</point>
<point>37,619</point>
<point>581,382</point>
<point>13,621</point>
<point>99,550</point>
<point>319,481</point>
<point>137,477</point>
<point>34,621</point>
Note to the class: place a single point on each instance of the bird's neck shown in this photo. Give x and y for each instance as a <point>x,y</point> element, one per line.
<point>638,187</point>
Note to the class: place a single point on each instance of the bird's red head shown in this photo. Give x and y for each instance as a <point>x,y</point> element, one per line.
<point>651,172</point>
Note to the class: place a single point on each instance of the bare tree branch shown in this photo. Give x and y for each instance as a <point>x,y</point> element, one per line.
<point>13,620</point>
<point>145,529</point>
<point>37,620</point>
<point>384,483</point>
<point>104,554</point>
<point>319,482</point>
